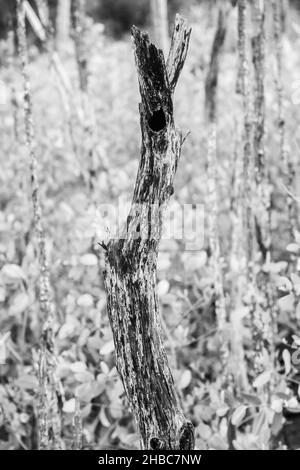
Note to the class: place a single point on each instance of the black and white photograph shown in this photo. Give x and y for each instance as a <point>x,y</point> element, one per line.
<point>149,229</point>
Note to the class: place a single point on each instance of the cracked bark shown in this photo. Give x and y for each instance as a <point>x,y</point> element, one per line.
<point>130,274</point>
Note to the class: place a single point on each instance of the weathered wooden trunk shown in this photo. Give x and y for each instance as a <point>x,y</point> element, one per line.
<point>130,276</point>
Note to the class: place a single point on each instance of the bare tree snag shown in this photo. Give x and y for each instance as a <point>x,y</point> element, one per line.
<point>77,426</point>
<point>263,206</point>
<point>242,64</point>
<point>48,407</point>
<point>89,138</point>
<point>211,82</point>
<point>211,85</point>
<point>130,275</point>
<point>262,314</point>
<point>285,157</point>
<point>159,10</point>
<point>237,364</point>
<point>248,199</point>
<point>243,87</point>
<point>78,14</point>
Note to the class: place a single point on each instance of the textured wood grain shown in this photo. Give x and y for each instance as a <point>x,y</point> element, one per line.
<point>130,276</point>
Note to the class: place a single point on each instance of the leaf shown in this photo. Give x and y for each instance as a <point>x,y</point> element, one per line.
<point>107,348</point>
<point>2,293</point>
<point>103,418</point>
<point>85,300</point>
<point>292,405</point>
<point>185,379</point>
<point>278,267</point>
<point>218,443</point>
<point>24,418</point>
<point>259,422</point>
<point>163,261</point>
<point>297,237</point>
<point>229,399</point>
<point>19,304</point>
<point>85,411</point>
<point>296,283</point>
<point>293,248</point>
<point>286,356</point>
<point>88,391</point>
<point>27,382</point>
<point>69,406</point>
<point>222,411</point>
<point>204,431</point>
<point>297,312</point>
<point>4,337</point>
<point>89,259</point>
<point>262,379</point>
<point>277,405</point>
<point>84,376</point>
<point>296,340</point>
<point>295,279</point>
<point>286,303</point>
<point>12,273</point>
<point>163,288</point>
<point>251,399</point>
<point>194,263</point>
<point>277,423</point>
<point>284,284</point>
<point>104,367</point>
<point>238,415</point>
<point>78,366</point>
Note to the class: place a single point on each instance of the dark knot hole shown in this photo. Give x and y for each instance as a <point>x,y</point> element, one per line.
<point>157,122</point>
<point>156,443</point>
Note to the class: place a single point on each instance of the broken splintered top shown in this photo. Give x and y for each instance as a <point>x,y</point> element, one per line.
<point>157,78</point>
<point>178,50</point>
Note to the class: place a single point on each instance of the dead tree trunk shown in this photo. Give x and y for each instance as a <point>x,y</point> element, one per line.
<point>211,85</point>
<point>263,315</point>
<point>285,155</point>
<point>49,413</point>
<point>261,176</point>
<point>130,275</point>
<point>243,88</point>
<point>211,82</point>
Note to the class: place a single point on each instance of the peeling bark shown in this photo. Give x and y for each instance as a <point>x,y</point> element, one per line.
<point>130,275</point>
